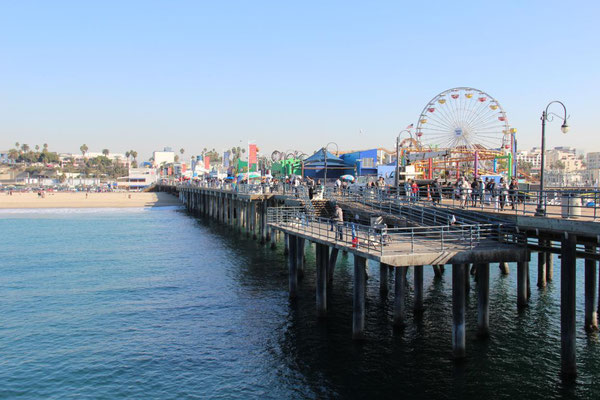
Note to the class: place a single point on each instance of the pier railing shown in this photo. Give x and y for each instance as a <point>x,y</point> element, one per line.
<point>382,240</point>
<point>573,204</point>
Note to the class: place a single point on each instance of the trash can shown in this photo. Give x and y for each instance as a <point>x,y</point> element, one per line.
<point>570,205</point>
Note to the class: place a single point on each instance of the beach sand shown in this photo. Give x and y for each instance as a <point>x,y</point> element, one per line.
<point>93,200</point>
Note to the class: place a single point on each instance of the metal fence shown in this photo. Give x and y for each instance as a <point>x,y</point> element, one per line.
<point>381,240</point>
<point>575,204</point>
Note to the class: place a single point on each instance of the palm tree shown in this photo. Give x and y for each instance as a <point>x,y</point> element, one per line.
<point>17,145</point>
<point>182,150</point>
<point>106,152</point>
<point>83,148</point>
<point>25,148</point>
<point>45,146</point>
<point>37,147</point>
<point>13,154</point>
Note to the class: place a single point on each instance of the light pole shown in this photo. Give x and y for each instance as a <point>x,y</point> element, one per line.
<point>541,210</point>
<point>396,175</point>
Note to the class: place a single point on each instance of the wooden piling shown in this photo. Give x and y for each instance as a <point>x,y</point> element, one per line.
<point>541,281</point>
<point>591,316</point>
<point>358,308</point>
<point>504,269</point>
<point>549,265</point>
<point>458,311</point>
<point>286,243</point>
<point>567,306</point>
<point>483,299</point>
<point>522,297</point>
<point>437,272</point>
<point>293,266</point>
<point>383,279</point>
<point>301,245</point>
<point>322,252</point>
<point>331,265</point>
<point>418,283</point>
<point>399,294</point>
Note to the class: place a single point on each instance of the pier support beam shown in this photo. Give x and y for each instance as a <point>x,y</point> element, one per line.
<point>286,243</point>
<point>399,295</point>
<point>437,272</point>
<point>549,264</point>
<point>567,307</point>
<point>273,239</point>
<point>383,279</point>
<point>331,266</point>
<point>458,311</point>
<point>483,300</point>
<point>301,244</point>
<point>293,266</point>
<point>591,316</point>
<point>541,281</point>
<point>418,282</point>
<point>322,251</point>
<point>504,270</point>
<point>358,308</point>
<point>522,268</point>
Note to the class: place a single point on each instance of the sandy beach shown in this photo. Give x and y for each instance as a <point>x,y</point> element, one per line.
<point>92,200</point>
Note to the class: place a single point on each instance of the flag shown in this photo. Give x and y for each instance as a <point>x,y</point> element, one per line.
<point>226,159</point>
<point>410,126</point>
<point>251,155</point>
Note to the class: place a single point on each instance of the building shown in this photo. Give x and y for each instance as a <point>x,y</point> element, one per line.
<point>532,157</point>
<point>563,158</point>
<point>367,161</point>
<point>592,160</point>
<point>138,178</point>
<point>167,156</point>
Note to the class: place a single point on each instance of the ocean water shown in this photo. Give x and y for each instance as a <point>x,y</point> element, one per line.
<point>155,304</point>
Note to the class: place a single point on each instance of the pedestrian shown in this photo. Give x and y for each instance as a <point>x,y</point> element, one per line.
<point>338,218</point>
<point>502,193</point>
<point>436,195</point>
<point>513,190</point>
<point>415,190</point>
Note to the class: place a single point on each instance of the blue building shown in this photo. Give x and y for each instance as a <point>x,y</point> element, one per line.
<point>366,162</point>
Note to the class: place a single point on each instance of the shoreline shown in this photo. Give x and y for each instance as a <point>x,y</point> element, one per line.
<point>92,200</point>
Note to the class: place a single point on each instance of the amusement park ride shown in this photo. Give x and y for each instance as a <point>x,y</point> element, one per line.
<point>463,130</point>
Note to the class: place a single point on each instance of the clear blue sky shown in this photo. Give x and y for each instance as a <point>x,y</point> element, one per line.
<point>146,74</point>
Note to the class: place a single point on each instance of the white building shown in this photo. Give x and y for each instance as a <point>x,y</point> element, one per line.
<point>167,156</point>
<point>138,178</point>
<point>533,157</point>
<point>567,156</point>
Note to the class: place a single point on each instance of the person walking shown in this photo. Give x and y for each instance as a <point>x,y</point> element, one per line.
<point>436,195</point>
<point>338,218</point>
<point>502,193</point>
<point>513,190</point>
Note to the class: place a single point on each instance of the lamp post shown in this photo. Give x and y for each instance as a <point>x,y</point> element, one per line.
<point>541,210</point>
<point>396,175</point>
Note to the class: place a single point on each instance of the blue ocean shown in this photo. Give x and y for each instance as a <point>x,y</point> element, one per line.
<point>156,304</point>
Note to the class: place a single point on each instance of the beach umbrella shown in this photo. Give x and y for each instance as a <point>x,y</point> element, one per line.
<point>347,178</point>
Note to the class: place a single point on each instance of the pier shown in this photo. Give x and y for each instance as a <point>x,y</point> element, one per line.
<point>400,234</point>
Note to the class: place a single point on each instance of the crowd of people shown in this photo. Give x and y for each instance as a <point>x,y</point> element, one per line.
<point>477,192</point>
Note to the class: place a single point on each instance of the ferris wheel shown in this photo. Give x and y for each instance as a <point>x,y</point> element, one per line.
<point>464,119</point>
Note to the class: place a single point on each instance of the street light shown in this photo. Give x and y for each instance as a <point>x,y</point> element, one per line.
<point>397,178</point>
<point>541,210</point>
